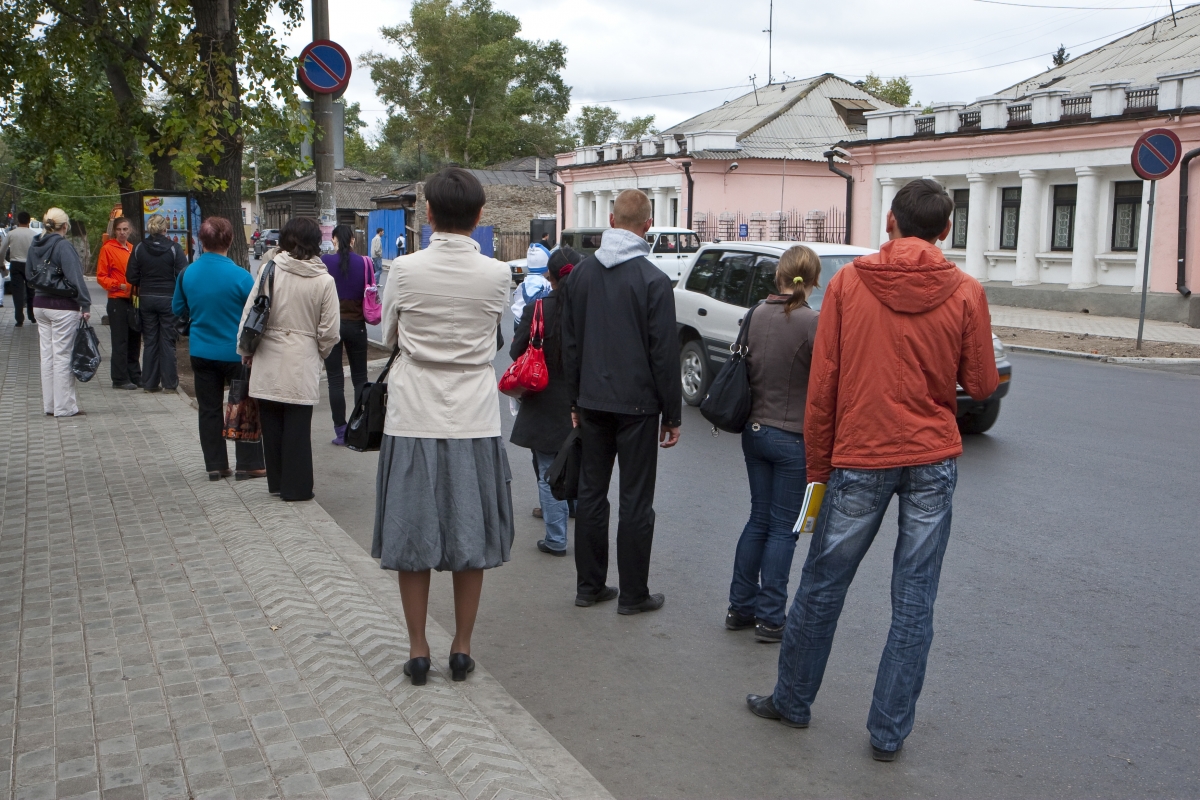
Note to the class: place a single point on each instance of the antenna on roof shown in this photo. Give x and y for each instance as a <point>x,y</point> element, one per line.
<point>770,32</point>
<point>755,88</point>
<point>1173,14</point>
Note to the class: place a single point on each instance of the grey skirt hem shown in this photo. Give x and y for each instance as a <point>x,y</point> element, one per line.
<point>443,504</point>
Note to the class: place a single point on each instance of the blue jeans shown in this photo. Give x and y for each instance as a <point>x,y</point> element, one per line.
<point>855,501</point>
<point>554,512</point>
<point>763,561</point>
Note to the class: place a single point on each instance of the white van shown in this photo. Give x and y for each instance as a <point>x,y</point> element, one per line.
<point>671,249</point>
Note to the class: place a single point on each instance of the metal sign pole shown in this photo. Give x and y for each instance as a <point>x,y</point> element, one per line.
<point>1146,263</point>
<point>323,142</point>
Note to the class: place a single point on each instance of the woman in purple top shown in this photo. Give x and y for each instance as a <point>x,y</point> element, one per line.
<point>349,271</point>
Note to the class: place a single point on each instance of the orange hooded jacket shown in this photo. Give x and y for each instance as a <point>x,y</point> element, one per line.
<point>110,268</point>
<point>897,329</point>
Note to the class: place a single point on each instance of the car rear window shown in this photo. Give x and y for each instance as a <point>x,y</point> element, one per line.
<point>702,273</point>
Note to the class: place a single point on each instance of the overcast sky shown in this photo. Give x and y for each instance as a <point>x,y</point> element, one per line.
<point>621,49</point>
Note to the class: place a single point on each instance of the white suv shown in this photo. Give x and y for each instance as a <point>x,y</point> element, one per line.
<point>727,278</point>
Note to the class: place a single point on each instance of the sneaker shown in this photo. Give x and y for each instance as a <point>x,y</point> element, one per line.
<point>127,386</point>
<point>652,603</point>
<point>880,754</point>
<point>585,600</point>
<point>738,622</point>
<point>765,633</point>
<point>545,548</point>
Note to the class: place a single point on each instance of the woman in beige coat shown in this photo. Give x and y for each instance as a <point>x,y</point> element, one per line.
<point>286,374</point>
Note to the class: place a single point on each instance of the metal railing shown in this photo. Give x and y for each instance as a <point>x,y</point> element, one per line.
<point>1020,114</point>
<point>925,125</point>
<point>792,226</point>
<point>970,120</point>
<point>1078,107</point>
<point>1141,99</point>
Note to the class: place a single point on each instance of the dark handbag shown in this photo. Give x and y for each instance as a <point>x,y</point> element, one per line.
<point>563,475</point>
<point>85,355</point>
<point>242,423</point>
<point>183,322</point>
<point>364,430</point>
<point>727,404</point>
<point>47,277</point>
<point>260,312</point>
<point>239,388</point>
<point>135,312</point>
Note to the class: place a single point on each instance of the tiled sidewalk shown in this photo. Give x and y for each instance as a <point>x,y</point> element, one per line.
<point>1072,322</point>
<point>163,636</point>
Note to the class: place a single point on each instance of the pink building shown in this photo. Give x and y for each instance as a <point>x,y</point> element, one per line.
<point>1049,211</point>
<point>756,161</point>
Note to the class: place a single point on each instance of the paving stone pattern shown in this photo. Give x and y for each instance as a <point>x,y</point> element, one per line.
<point>1072,322</point>
<point>164,636</point>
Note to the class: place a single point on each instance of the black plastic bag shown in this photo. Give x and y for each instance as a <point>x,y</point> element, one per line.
<point>563,475</point>
<point>85,355</point>
<point>239,388</point>
<point>364,430</point>
<point>727,404</point>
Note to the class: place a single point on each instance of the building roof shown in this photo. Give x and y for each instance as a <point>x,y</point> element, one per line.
<point>793,120</point>
<point>515,172</point>
<point>351,189</point>
<point>1160,47</point>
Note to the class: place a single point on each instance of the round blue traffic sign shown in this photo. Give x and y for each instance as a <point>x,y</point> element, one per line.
<point>325,67</point>
<point>1156,154</point>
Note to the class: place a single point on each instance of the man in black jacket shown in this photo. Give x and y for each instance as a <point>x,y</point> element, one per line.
<point>621,362</point>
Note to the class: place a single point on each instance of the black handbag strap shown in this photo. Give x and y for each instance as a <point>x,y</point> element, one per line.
<point>388,368</point>
<point>269,270</point>
<point>739,345</point>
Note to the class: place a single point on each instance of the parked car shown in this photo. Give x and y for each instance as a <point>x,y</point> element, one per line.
<point>727,278</point>
<point>671,249</point>
<point>267,239</point>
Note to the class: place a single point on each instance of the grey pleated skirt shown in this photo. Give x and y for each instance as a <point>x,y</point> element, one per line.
<point>443,504</point>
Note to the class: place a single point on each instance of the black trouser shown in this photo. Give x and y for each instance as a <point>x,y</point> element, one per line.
<point>126,343</point>
<point>158,330</point>
<point>633,441</point>
<point>354,337</point>
<point>287,447</point>
<point>21,293</point>
<point>211,378</point>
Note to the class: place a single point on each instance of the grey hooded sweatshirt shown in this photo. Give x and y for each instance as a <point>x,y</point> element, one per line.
<point>58,251</point>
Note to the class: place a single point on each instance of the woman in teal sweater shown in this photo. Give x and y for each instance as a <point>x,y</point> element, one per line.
<point>213,291</point>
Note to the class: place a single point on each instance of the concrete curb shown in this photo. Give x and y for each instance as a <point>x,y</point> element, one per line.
<point>1046,351</point>
<point>1140,360</point>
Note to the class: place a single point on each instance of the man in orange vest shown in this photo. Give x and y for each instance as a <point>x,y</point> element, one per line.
<point>126,340</point>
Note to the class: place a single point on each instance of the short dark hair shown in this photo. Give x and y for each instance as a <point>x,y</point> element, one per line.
<point>560,258</point>
<point>23,218</point>
<point>379,230</point>
<point>301,238</point>
<point>922,208</point>
<point>216,233</point>
<point>455,198</point>
<point>119,220</point>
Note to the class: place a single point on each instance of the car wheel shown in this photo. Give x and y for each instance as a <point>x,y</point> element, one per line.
<point>693,372</point>
<point>979,421</point>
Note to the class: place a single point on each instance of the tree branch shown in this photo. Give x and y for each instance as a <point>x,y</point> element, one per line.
<point>143,57</point>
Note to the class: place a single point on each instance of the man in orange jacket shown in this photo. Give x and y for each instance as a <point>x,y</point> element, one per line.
<point>110,274</point>
<point>898,329</point>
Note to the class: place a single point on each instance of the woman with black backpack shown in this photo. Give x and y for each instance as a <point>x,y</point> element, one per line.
<point>153,268</point>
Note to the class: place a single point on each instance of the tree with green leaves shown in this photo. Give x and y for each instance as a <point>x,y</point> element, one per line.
<point>599,124</point>
<point>897,91</point>
<point>467,87</point>
<point>1060,57</point>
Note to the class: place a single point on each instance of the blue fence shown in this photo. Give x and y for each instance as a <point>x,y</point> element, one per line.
<point>392,221</point>
<point>484,234</point>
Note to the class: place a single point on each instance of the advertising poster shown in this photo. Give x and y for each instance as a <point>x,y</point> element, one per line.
<point>175,209</point>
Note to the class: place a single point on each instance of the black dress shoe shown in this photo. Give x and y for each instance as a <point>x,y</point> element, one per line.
<point>765,633</point>
<point>884,755</point>
<point>738,622</point>
<point>126,386</point>
<point>763,705</point>
<point>417,669</point>
<point>608,593</point>
<point>460,665</point>
<point>545,548</point>
<point>652,603</point>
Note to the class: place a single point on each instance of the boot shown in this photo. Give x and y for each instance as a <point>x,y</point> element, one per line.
<point>339,438</point>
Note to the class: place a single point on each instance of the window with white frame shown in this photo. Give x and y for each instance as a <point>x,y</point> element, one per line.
<point>1064,218</point>
<point>1010,217</point>
<point>1127,215</point>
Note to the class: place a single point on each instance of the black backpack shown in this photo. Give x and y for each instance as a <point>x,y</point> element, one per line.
<point>727,404</point>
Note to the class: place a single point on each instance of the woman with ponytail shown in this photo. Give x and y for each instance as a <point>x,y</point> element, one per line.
<point>352,275</point>
<point>780,341</point>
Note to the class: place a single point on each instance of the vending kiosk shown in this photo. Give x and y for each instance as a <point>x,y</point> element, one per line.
<point>182,213</point>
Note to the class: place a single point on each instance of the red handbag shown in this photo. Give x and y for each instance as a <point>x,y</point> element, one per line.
<point>528,373</point>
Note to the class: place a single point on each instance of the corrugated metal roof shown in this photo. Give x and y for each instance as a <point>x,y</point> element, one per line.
<point>510,177</point>
<point>798,120</point>
<point>352,189</point>
<point>1139,57</point>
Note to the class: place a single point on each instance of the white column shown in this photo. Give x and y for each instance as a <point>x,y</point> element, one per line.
<point>661,209</point>
<point>583,204</point>
<point>603,208</point>
<point>1029,230</point>
<point>1087,213</point>
<point>887,193</point>
<point>979,211</point>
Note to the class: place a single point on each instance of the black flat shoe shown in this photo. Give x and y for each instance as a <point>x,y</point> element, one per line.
<point>217,474</point>
<point>417,669</point>
<point>738,622</point>
<point>460,665</point>
<point>585,600</point>
<point>765,633</point>
<point>652,603</point>
<point>884,755</point>
<point>763,705</point>
<point>545,548</point>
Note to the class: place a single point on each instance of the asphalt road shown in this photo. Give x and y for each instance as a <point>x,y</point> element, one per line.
<point>1067,656</point>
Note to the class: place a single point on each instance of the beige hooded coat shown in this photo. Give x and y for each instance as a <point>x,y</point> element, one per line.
<point>303,328</point>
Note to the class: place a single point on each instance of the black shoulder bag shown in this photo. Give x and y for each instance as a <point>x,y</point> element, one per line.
<point>46,274</point>
<point>727,404</point>
<point>364,430</point>
<point>260,313</point>
<point>563,475</point>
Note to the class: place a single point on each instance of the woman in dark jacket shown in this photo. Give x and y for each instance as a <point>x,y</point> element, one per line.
<point>544,420</point>
<point>780,343</point>
<point>349,271</point>
<point>153,268</point>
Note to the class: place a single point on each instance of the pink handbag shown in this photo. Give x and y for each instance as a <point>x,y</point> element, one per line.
<point>372,307</point>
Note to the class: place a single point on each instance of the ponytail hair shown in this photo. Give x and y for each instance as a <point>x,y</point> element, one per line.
<point>799,269</point>
<point>342,234</point>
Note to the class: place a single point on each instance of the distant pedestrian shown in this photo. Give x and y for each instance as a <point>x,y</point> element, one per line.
<point>898,330</point>
<point>213,292</point>
<point>621,361</point>
<point>544,420</point>
<point>153,268</point>
<point>545,242</point>
<point>285,374</point>
<point>125,364</point>
<point>780,342</point>
<point>16,250</point>
<point>349,271</point>
<point>377,246</point>
<point>442,498</point>
<point>401,245</point>
<point>58,317</point>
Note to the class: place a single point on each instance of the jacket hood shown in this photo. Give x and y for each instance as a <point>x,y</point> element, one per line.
<point>308,268</point>
<point>43,244</point>
<point>157,245</point>
<point>618,245</point>
<point>909,276</point>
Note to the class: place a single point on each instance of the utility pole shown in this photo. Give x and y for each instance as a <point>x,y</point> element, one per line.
<point>257,199</point>
<point>770,32</point>
<point>323,144</point>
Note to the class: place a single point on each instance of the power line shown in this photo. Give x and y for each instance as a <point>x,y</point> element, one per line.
<point>673,94</point>
<point>84,196</point>
<point>1070,8</point>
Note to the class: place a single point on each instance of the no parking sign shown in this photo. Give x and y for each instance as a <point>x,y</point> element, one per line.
<point>1155,155</point>
<point>324,67</point>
